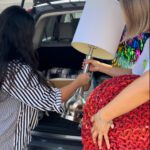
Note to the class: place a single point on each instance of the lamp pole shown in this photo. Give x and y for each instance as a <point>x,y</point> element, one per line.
<point>80,92</point>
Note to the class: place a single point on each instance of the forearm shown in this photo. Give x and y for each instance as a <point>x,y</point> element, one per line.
<point>69,90</point>
<point>113,71</point>
<point>137,93</point>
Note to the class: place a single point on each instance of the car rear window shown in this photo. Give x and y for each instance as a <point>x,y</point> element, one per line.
<point>59,30</point>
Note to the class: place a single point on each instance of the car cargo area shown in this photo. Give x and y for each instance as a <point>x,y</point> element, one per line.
<point>58,59</point>
<point>56,133</point>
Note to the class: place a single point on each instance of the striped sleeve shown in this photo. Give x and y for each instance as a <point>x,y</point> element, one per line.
<point>26,88</point>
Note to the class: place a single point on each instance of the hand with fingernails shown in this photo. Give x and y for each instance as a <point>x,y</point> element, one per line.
<point>100,129</point>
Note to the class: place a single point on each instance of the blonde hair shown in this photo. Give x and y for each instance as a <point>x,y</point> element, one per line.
<point>137,16</point>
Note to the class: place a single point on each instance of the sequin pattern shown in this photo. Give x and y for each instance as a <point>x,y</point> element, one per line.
<point>128,52</point>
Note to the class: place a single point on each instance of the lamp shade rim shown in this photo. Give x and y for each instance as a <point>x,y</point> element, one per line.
<point>99,53</point>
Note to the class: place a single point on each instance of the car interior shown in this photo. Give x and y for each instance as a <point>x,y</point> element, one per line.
<point>58,59</point>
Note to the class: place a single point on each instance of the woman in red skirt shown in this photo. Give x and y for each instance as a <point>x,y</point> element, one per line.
<point>117,112</point>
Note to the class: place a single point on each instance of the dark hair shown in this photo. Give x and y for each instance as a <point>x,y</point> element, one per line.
<point>16,39</point>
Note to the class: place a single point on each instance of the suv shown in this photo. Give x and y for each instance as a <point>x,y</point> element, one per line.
<point>56,22</point>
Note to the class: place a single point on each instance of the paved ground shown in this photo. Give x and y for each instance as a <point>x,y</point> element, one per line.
<point>6,3</point>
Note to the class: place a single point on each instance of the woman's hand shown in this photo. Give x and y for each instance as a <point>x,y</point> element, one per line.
<point>100,129</point>
<point>83,79</point>
<point>94,65</point>
<point>68,90</point>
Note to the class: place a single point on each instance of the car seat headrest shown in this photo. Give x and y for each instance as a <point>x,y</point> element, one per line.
<point>65,31</point>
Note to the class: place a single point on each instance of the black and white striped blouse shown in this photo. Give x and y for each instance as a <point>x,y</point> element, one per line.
<point>32,97</point>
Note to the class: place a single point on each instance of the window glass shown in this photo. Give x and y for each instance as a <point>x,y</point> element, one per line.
<point>59,30</point>
<point>48,34</point>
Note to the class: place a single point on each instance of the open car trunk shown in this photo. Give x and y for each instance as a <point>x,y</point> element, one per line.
<point>38,2</point>
<point>54,132</point>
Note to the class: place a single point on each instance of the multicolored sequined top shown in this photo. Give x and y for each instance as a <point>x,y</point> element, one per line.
<point>128,52</point>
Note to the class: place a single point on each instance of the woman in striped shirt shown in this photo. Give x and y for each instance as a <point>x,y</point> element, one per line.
<point>22,91</point>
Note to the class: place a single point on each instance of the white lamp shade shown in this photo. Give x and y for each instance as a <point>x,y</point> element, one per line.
<point>101,25</point>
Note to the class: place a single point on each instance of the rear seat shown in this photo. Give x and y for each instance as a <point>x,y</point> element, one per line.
<point>75,23</point>
<point>65,32</point>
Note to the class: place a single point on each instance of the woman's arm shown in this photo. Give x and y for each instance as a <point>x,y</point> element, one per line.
<point>69,90</point>
<point>134,95</point>
<point>107,69</point>
<point>113,71</point>
<point>131,97</point>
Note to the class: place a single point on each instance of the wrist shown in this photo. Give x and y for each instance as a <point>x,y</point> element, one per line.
<point>101,67</point>
<point>104,116</point>
<point>77,83</point>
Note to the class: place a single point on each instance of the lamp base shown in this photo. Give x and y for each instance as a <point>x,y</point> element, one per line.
<point>80,100</point>
<point>74,107</point>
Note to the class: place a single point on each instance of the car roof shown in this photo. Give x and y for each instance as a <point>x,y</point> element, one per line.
<point>50,2</point>
<point>37,2</point>
<point>57,6</point>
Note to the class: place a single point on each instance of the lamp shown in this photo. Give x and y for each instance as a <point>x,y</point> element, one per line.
<point>99,30</point>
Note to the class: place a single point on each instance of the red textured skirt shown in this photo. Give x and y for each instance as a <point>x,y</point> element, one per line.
<point>132,130</point>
